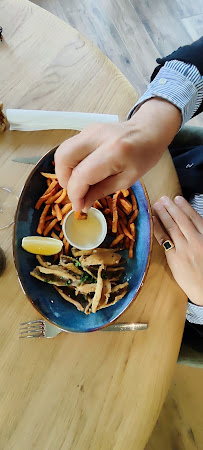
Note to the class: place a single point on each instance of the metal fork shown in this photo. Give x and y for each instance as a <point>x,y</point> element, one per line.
<point>43,329</point>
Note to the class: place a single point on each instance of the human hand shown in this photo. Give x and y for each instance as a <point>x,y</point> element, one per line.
<point>105,158</point>
<point>184,226</point>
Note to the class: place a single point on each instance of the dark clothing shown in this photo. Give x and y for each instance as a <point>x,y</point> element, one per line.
<point>188,161</point>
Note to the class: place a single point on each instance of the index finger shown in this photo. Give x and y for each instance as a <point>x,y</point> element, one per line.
<point>69,154</point>
<point>182,220</point>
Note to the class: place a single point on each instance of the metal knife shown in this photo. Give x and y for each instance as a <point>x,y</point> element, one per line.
<point>27,160</point>
<point>125,327</point>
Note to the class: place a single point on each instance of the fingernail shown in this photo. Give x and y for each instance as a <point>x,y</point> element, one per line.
<point>165,200</point>
<point>178,199</point>
<point>158,206</point>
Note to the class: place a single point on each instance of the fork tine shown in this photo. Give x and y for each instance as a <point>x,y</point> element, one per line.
<point>31,336</point>
<point>41,321</point>
<point>36,330</point>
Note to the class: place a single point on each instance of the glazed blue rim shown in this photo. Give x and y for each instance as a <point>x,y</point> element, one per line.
<point>109,318</point>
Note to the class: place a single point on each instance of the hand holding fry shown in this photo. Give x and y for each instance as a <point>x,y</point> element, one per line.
<point>105,158</point>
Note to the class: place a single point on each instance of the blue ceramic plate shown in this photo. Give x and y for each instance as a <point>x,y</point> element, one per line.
<point>44,297</point>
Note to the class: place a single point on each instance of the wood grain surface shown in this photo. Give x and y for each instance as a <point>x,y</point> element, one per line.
<point>101,391</point>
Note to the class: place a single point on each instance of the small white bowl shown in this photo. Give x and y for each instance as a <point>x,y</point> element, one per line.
<point>94,212</point>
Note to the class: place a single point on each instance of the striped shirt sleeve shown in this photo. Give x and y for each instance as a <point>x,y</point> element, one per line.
<point>195,313</point>
<point>180,84</point>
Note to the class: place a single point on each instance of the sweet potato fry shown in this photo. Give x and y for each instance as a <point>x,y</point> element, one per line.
<point>133,217</point>
<point>66,209</point>
<point>117,240</point>
<point>62,196</point>
<point>67,247</point>
<point>103,202</point>
<point>109,202</point>
<point>125,192</point>
<point>126,205</point>
<point>119,228</point>
<point>125,230</point>
<point>53,211</point>
<point>106,211</point>
<point>127,242</point>
<point>54,197</point>
<point>57,227</point>
<point>50,226</point>
<point>122,215</point>
<point>55,236</point>
<point>115,212</point>
<point>79,215</point>
<point>97,205</point>
<point>58,212</point>
<point>133,199</point>
<point>41,199</point>
<point>131,246</point>
<point>48,182</point>
<point>66,200</point>
<point>48,218</point>
<point>42,219</point>
<point>49,175</point>
<point>61,234</point>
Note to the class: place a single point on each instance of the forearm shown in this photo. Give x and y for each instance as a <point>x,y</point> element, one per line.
<point>161,121</point>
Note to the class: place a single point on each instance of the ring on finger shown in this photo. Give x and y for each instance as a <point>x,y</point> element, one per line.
<point>168,245</point>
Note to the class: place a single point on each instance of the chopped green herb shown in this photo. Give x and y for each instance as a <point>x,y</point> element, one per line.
<point>77,264</point>
<point>85,297</point>
<point>61,278</point>
<point>68,282</point>
<point>45,280</point>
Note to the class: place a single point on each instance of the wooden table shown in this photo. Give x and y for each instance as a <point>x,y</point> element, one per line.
<point>94,391</point>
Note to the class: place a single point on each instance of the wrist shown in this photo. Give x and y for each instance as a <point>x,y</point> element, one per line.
<point>160,119</point>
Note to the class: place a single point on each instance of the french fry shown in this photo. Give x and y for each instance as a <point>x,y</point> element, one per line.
<point>41,200</point>
<point>66,208</point>
<point>119,228</point>
<point>49,175</point>
<point>106,211</point>
<point>53,211</point>
<point>117,240</point>
<point>48,182</point>
<point>126,205</point>
<point>115,212</point>
<point>79,215</point>
<point>109,202</point>
<point>62,196</point>
<point>133,217</point>
<point>57,227</point>
<point>122,215</point>
<point>127,242</point>
<point>50,226</point>
<point>54,197</point>
<point>42,219</point>
<point>131,246</point>
<point>126,231</point>
<point>103,202</point>
<point>125,192</point>
<point>66,200</point>
<point>133,199</point>
<point>55,236</point>
<point>67,247</point>
<point>48,218</point>
<point>97,205</point>
<point>58,212</point>
<point>61,235</point>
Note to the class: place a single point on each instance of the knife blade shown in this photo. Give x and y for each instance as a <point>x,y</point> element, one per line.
<point>125,327</point>
<point>27,160</point>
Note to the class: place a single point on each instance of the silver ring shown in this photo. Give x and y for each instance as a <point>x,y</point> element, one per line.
<point>168,245</point>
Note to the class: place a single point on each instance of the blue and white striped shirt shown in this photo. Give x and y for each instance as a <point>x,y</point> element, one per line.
<point>182,85</point>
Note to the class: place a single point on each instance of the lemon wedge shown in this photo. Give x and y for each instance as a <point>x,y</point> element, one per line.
<point>40,245</point>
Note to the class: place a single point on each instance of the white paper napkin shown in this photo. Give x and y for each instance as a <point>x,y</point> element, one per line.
<point>32,120</point>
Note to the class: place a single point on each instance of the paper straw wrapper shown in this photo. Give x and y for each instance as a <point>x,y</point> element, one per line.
<point>32,120</point>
